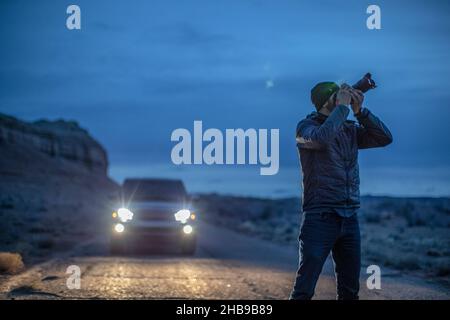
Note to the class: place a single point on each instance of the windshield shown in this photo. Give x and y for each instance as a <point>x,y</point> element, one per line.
<point>154,190</point>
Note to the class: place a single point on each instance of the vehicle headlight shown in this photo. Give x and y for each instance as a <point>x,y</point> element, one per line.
<point>187,229</point>
<point>124,214</point>
<point>182,215</point>
<point>119,228</point>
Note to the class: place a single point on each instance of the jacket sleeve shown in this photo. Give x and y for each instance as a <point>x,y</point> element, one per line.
<point>372,132</point>
<point>310,135</point>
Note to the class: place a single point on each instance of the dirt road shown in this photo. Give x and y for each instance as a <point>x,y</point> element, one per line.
<point>227,265</point>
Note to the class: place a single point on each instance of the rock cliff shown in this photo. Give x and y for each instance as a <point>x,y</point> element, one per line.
<point>42,147</point>
<point>54,187</point>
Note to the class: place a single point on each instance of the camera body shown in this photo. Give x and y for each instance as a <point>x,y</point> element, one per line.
<point>365,84</point>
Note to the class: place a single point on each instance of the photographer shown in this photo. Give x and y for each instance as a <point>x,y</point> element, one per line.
<point>328,146</point>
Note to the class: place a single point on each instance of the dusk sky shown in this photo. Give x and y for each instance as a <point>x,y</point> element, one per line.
<point>137,70</point>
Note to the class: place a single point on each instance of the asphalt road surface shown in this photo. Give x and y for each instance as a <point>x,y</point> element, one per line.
<point>228,265</point>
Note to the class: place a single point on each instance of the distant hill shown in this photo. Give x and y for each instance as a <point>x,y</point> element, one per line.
<point>49,147</point>
<point>53,175</point>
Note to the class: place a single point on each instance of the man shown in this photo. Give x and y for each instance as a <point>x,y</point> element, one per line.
<point>328,146</point>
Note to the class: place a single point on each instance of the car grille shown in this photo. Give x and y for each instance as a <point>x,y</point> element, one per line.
<point>154,215</point>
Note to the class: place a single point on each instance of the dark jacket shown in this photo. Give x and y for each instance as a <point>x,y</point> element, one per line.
<point>328,148</point>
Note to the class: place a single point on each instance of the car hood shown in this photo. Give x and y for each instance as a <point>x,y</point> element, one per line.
<point>160,206</point>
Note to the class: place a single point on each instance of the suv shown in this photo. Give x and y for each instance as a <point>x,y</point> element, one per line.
<point>154,212</point>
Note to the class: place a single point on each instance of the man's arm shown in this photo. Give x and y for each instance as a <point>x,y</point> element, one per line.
<point>312,136</point>
<point>372,132</point>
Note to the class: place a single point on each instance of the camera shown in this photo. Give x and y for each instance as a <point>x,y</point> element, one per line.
<point>365,84</point>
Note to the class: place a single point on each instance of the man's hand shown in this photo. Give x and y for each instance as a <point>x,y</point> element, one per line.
<point>357,100</point>
<point>344,96</point>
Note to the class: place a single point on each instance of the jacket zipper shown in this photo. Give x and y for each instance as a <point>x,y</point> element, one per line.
<point>347,185</point>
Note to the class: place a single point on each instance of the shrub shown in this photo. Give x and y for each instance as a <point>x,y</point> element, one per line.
<point>10,263</point>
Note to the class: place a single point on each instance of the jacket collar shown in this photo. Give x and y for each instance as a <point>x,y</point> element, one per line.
<point>320,117</point>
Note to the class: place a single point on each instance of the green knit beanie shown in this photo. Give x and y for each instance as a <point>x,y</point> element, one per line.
<point>322,92</point>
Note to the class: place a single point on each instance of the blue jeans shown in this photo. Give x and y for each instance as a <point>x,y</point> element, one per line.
<point>320,233</point>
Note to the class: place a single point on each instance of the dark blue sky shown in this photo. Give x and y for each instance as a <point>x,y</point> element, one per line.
<point>139,69</point>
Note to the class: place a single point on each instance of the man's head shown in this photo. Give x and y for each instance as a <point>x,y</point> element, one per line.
<point>322,93</point>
